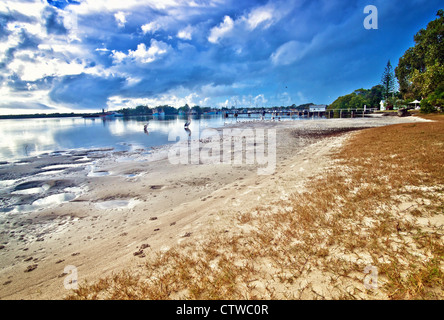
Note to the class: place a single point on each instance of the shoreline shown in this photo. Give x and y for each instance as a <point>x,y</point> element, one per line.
<point>130,204</point>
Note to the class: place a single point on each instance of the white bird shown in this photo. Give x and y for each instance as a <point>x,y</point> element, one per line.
<point>187,123</point>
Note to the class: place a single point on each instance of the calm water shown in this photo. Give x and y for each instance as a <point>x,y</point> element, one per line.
<point>20,138</point>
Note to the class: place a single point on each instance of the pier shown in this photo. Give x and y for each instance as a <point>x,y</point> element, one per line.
<point>329,114</point>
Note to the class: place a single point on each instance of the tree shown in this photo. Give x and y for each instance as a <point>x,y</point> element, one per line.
<point>420,70</point>
<point>198,109</point>
<point>359,98</point>
<point>388,81</point>
<point>374,97</point>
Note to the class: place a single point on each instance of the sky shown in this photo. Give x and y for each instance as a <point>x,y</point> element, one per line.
<point>89,55</point>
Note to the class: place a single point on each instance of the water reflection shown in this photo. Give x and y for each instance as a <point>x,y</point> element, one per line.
<point>21,138</point>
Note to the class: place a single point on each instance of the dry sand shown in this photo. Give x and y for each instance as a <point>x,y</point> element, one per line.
<point>102,210</point>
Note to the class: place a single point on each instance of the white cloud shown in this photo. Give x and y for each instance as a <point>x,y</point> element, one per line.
<point>185,34</point>
<point>118,56</point>
<point>289,53</point>
<point>222,29</point>
<point>95,6</point>
<point>100,6</point>
<point>41,67</point>
<point>174,98</point>
<point>260,16</point>
<point>150,27</point>
<point>24,102</point>
<point>120,19</point>
<point>143,54</point>
<point>30,9</point>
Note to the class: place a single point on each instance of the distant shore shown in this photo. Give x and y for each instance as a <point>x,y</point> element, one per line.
<point>102,211</point>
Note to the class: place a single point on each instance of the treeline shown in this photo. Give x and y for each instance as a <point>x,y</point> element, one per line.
<point>360,98</point>
<point>169,110</point>
<point>42,115</point>
<point>420,75</point>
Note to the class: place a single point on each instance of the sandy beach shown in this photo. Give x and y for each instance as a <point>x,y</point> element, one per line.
<point>101,211</point>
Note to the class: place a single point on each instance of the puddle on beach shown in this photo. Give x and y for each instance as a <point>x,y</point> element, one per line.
<point>84,159</point>
<point>98,173</point>
<point>93,173</point>
<point>50,172</point>
<point>7,183</point>
<point>32,190</point>
<point>62,166</point>
<point>44,203</point>
<point>34,197</point>
<point>54,199</point>
<point>117,204</point>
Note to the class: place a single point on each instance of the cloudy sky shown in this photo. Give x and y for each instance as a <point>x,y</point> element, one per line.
<point>85,55</point>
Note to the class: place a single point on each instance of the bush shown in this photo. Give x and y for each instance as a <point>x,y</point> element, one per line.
<point>427,107</point>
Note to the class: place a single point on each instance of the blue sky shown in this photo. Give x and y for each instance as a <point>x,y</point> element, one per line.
<point>85,55</point>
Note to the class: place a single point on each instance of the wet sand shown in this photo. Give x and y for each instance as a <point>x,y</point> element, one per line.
<point>101,211</point>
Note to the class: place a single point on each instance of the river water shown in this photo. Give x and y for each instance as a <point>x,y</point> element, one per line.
<point>22,138</point>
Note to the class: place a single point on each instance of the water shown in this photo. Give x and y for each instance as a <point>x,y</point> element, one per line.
<point>21,138</point>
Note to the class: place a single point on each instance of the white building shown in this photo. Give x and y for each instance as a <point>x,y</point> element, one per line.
<point>318,108</point>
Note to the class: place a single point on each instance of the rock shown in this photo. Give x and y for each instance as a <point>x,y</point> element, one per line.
<point>31,267</point>
<point>139,253</point>
<point>403,112</point>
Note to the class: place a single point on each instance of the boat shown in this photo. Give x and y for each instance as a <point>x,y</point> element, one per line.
<point>158,112</point>
<point>111,115</point>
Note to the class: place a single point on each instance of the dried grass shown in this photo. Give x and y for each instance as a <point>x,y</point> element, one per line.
<point>317,244</point>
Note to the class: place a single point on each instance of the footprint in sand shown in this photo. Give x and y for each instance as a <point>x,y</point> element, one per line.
<point>156,187</point>
<point>31,267</point>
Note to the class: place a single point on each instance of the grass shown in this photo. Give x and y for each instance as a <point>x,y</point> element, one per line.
<point>375,206</point>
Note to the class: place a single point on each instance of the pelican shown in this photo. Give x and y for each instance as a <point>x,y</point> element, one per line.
<point>187,124</point>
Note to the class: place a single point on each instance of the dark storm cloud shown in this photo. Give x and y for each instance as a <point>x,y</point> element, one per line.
<point>54,21</point>
<point>85,91</point>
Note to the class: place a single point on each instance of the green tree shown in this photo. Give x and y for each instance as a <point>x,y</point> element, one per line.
<point>388,81</point>
<point>198,109</point>
<point>359,98</point>
<point>420,70</point>
<point>374,97</point>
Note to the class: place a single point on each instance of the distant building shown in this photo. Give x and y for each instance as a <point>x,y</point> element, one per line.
<point>158,112</point>
<point>318,108</point>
